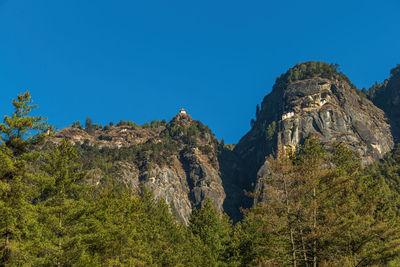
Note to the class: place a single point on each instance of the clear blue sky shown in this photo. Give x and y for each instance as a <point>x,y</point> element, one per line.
<point>144,60</point>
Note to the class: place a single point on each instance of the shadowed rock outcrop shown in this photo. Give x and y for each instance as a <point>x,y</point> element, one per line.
<point>183,163</point>
<point>323,104</point>
<point>387,97</point>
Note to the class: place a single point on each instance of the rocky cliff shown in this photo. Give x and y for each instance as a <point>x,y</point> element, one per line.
<point>387,97</point>
<point>178,162</point>
<point>312,99</point>
<point>183,163</point>
<point>109,136</point>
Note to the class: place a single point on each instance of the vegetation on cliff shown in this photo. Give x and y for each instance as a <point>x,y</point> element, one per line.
<point>318,208</point>
<point>310,69</point>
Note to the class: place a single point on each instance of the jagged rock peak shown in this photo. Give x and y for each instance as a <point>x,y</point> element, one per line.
<point>318,100</point>
<point>387,97</point>
<point>178,161</point>
<point>314,99</point>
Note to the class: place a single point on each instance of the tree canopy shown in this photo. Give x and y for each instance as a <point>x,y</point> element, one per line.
<point>314,207</point>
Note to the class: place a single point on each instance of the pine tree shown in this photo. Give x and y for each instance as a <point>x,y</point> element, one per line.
<point>18,226</point>
<point>318,209</point>
<point>214,230</point>
<point>62,201</point>
<point>367,231</point>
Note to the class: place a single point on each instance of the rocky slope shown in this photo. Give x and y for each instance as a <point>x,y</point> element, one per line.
<point>312,100</point>
<point>387,97</point>
<point>178,162</point>
<point>183,163</point>
<point>109,136</point>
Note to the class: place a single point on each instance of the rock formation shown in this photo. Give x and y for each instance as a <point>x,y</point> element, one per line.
<point>387,97</point>
<point>184,170</point>
<point>323,104</point>
<point>183,163</point>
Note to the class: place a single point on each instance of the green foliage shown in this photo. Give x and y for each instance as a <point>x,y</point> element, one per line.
<point>140,155</point>
<point>18,228</point>
<point>387,172</point>
<point>61,203</point>
<point>271,130</point>
<point>17,218</point>
<point>214,230</point>
<point>188,134</point>
<point>90,127</point>
<point>230,147</point>
<point>362,94</point>
<point>143,155</point>
<point>77,124</point>
<point>127,123</point>
<point>206,149</point>
<point>318,208</point>
<point>50,216</point>
<point>310,69</point>
<point>20,131</point>
<point>155,124</point>
<point>137,231</point>
<point>146,125</point>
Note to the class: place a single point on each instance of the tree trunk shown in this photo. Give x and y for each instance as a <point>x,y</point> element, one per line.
<point>59,241</point>
<point>304,248</point>
<point>293,245</point>
<point>7,250</point>
<point>315,228</point>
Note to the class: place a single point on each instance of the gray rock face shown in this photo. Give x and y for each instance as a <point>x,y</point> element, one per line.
<point>170,183</point>
<point>328,109</point>
<point>189,176</point>
<point>387,98</point>
<point>203,179</point>
<point>333,112</point>
<point>166,183</point>
<point>199,167</point>
<point>184,184</point>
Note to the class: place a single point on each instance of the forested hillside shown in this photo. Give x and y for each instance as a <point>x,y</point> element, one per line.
<point>314,183</point>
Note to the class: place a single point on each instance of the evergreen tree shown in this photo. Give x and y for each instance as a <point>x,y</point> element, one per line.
<point>138,231</point>
<point>214,230</point>
<point>89,126</point>
<point>18,226</point>
<point>62,202</point>
<point>317,209</point>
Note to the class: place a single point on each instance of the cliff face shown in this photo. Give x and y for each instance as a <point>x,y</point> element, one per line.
<point>387,97</point>
<point>178,162</point>
<point>183,163</point>
<point>333,112</point>
<point>325,107</point>
<point>182,187</point>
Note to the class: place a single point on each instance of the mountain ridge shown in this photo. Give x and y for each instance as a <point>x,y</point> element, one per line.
<point>183,162</point>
